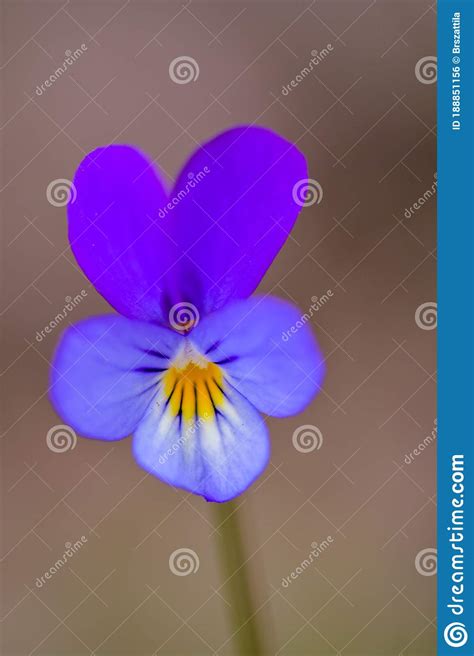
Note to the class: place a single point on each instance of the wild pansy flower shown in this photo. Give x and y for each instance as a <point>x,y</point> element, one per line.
<point>190,361</point>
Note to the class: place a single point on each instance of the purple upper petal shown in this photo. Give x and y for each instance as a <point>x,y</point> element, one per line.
<point>238,214</point>
<point>210,241</point>
<point>116,235</point>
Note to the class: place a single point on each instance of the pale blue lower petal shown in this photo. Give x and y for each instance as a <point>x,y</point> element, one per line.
<point>217,457</point>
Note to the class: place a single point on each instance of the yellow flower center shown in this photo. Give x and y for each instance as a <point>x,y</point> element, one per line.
<point>193,386</point>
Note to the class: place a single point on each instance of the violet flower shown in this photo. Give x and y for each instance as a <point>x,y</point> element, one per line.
<point>191,361</point>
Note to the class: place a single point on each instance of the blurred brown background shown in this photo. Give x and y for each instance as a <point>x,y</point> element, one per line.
<point>366,123</point>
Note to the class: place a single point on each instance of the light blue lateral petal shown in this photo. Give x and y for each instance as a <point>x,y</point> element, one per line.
<point>105,372</point>
<point>217,457</point>
<point>278,370</point>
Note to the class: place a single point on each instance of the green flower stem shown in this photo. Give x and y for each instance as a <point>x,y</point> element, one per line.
<point>236,580</point>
